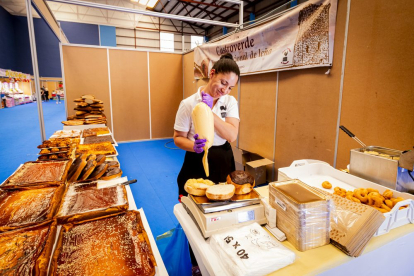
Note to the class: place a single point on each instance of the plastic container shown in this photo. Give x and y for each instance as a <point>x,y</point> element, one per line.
<point>302,213</point>
<point>314,173</point>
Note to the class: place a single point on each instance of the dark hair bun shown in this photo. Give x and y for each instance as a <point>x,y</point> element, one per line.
<point>227,55</point>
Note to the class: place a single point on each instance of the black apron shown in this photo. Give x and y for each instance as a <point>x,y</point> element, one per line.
<point>220,162</point>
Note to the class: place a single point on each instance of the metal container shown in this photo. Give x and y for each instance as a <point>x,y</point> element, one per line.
<point>380,168</point>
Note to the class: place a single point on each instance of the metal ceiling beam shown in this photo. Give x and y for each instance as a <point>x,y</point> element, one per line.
<point>208,4</point>
<point>148,13</point>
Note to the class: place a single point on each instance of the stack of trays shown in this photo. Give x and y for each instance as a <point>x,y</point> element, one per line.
<point>89,110</point>
<point>303,214</point>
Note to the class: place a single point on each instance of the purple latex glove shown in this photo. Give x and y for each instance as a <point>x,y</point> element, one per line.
<point>207,99</point>
<point>199,144</point>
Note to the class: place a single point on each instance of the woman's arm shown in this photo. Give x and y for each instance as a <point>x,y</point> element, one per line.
<point>226,129</point>
<point>181,141</point>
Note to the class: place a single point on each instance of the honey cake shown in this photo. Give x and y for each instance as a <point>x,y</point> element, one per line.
<point>84,201</point>
<point>26,207</point>
<point>112,245</point>
<point>35,173</point>
<point>26,251</point>
<point>95,131</point>
<point>98,139</point>
<point>105,148</point>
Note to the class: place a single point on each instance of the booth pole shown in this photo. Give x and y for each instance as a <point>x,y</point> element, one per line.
<point>35,68</point>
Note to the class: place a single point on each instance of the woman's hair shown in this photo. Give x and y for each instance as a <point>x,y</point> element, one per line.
<point>226,64</point>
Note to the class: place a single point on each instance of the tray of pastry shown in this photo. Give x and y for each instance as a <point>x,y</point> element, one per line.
<point>95,131</point>
<point>105,148</point>
<point>83,201</point>
<point>99,139</point>
<point>104,246</point>
<point>27,251</point>
<point>74,133</point>
<point>203,200</point>
<point>26,207</point>
<point>57,157</point>
<point>36,173</point>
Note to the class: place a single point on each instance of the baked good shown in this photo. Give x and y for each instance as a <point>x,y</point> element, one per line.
<point>90,166</point>
<point>91,97</point>
<point>197,187</point>
<point>44,151</point>
<point>112,164</point>
<point>88,132</point>
<point>26,251</point>
<point>105,148</point>
<point>77,167</point>
<point>109,245</point>
<point>91,157</point>
<point>111,173</point>
<point>53,156</point>
<point>43,157</point>
<point>98,139</point>
<point>84,201</point>
<point>220,192</point>
<point>99,171</point>
<point>36,173</point>
<point>73,123</point>
<point>242,181</point>
<point>78,100</point>
<point>54,150</point>
<point>100,159</point>
<point>27,207</point>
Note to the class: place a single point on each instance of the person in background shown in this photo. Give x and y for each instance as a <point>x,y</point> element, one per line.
<point>47,94</point>
<point>58,95</point>
<point>42,93</point>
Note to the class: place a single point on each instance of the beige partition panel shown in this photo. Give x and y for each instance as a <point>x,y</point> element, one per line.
<point>257,115</point>
<point>378,89</point>
<point>166,88</point>
<point>190,84</point>
<point>86,72</point>
<point>129,90</point>
<point>308,104</point>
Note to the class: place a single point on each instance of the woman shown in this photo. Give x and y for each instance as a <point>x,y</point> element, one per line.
<point>223,77</point>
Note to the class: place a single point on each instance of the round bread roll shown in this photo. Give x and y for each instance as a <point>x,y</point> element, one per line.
<point>220,192</point>
<point>242,181</point>
<point>197,187</point>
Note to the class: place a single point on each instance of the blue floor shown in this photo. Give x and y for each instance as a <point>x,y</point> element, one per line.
<point>154,166</point>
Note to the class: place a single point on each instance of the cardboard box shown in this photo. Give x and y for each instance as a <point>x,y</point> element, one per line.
<point>251,163</point>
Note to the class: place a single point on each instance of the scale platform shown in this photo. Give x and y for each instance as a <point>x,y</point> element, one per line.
<point>216,217</point>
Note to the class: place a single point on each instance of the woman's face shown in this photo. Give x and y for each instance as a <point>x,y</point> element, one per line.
<point>221,83</point>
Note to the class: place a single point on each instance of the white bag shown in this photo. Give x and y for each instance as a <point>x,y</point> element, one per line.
<point>250,250</point>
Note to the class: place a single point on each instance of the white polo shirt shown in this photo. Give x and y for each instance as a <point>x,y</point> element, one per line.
<point>226,106</point>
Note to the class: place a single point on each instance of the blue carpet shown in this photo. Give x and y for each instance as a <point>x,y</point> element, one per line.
<point>20,133</point>
<point>153,165</point>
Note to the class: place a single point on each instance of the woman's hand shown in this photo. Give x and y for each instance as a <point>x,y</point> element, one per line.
<point>199,144</point>
<point>207,99</point>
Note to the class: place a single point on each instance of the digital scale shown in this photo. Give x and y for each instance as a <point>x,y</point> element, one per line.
<point>214,217</point>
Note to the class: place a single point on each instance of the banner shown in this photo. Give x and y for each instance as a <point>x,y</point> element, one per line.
<point>14,74</point>
<point>301,38</point>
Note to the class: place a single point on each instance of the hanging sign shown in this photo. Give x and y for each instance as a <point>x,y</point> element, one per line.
<point>15,75</point>
<point>301,38</point>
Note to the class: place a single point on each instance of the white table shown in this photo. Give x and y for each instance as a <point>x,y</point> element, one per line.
<point>389,254</point>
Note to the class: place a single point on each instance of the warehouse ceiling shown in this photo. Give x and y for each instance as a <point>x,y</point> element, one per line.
<point>204,9</point>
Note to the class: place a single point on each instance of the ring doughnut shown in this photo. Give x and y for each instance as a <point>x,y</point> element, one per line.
<point>387,194</point>
<point>370,190</point>
<point>389,203</point>
<point>377,201</point>
<point>326,185</point>
<point>381,210</point>
<point>383,206</point>
<point>361,195</point>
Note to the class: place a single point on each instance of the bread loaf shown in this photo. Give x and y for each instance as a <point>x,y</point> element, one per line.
<point>242,181</point>
<point>197,187</point>
<point>220,192</point>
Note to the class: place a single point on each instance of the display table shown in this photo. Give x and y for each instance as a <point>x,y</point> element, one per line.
<point>389,254</point>
<point>160,269</point>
